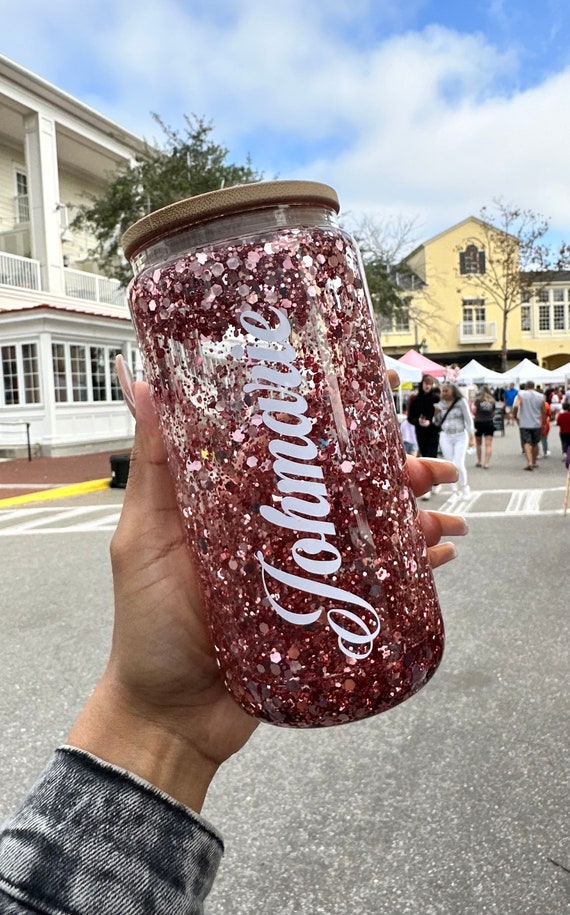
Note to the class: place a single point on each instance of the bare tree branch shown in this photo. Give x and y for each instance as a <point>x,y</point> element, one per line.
<point>517,259</point>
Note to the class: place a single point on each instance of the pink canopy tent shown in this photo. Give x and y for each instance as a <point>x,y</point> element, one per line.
<point>425,365</point>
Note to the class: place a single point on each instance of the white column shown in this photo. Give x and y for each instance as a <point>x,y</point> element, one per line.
<point>46,369</point>
<point>43,190</point>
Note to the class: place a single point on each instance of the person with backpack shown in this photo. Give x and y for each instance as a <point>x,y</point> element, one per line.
<point>484,405</point>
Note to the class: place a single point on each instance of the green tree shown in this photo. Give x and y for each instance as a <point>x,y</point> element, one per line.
<point>383,246</point>
<point>185,164</point>
<point>517,260</point>
<point>392,283</point>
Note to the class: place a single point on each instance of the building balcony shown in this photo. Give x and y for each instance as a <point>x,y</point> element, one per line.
<point>472,332</point>
<point>24,273</point>
<point>91,286</point>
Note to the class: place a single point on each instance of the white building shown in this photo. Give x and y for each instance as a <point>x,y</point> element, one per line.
<point>61,324</point>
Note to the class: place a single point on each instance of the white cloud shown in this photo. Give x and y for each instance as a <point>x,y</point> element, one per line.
<point>428,123</point>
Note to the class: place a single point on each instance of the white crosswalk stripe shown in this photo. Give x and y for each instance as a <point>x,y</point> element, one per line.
<point>508,503</point>
<point>53,520</point>
<point>490,503</point>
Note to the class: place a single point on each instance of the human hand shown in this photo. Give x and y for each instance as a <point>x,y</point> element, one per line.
<point>161,709</point>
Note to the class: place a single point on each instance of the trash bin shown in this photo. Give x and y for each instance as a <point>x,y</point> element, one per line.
<point>120,470</point>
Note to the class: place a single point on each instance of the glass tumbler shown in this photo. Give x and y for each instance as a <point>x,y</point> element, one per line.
<point>259,344</point>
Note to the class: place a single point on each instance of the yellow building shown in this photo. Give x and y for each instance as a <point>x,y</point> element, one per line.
<point>460,290</point>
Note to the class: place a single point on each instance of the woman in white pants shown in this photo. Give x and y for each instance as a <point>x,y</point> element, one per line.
<point>453,415</point>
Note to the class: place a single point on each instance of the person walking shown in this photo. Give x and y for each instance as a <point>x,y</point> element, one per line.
<point>509,397</point>
<point>556,398</point>
<point>529,412</point>
<point>484,406</point>
<point>409,437</point>
<point>563,422</point>
<point>421,414</point>
<point>545,430</point>
<point>454,418</point>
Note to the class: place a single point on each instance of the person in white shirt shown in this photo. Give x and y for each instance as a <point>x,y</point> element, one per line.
<point>454,418</point>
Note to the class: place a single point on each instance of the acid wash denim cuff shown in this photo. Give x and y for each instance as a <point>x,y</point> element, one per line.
<point>92,839</point>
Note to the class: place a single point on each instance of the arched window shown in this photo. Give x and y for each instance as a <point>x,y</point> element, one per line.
<point>472,260</point>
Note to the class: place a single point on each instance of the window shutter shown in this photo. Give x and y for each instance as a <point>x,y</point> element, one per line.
<point>462,262</point>
<point>481,262</point>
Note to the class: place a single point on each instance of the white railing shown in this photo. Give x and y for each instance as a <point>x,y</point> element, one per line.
<point>93,287</point>
<point>19,271</point>
<point>477,332</point>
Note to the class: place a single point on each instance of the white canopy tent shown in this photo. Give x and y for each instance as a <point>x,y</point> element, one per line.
<point>563,371</point>
<point>475,373</point>
<point>528,371</point>
<point>408,374</point>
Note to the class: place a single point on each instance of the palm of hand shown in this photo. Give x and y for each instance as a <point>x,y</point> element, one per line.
<point>163,659</point>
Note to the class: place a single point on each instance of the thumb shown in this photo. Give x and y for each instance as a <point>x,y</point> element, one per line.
<point>149,487</point>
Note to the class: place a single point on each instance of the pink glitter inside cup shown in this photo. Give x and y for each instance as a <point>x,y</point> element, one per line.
<point>258,341</point>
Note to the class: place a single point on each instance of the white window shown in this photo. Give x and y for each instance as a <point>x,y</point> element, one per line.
<point>78,360</point>
<point>474,317</point>
<point>59,372</point>
<point>525,318</point>
<point>558,295</point>
<point>20,381</point>
<point>83,373</point>
<point>544,317</point>
<point>558,317</point>
<point>401,323</point>
<point>395,324</point>
<point>22,199</point>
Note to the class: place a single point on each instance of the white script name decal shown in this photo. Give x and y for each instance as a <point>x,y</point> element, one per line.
<point>304,506</point>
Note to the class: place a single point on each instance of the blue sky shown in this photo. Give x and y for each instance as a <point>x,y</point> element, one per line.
<point>424,110</point>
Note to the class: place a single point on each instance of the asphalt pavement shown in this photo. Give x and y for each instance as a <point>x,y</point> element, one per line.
<point>454,803</point>
<point>67,475</point>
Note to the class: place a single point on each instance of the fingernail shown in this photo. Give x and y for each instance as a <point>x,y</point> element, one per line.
<point>126,381</point>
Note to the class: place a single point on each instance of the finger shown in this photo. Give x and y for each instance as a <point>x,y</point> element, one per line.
<point>436,525</point>
<point>440,554</point>
<point>150,521</point>
<point>149,485</point>
<point>126,381</point>
<point>428,472</point>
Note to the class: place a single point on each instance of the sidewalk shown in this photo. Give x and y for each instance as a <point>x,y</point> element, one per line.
<point>48,478</point>
<point>43,477</point>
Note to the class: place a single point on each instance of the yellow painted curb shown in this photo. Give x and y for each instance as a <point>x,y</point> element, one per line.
<point>56,492</point>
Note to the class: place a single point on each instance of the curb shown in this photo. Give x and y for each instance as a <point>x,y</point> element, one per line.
<point>56,492</point>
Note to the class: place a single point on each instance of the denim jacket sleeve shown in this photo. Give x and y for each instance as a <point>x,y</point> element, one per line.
<point>92,839</point>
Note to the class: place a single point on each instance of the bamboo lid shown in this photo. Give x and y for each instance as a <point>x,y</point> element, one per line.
<point>225,202</point>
